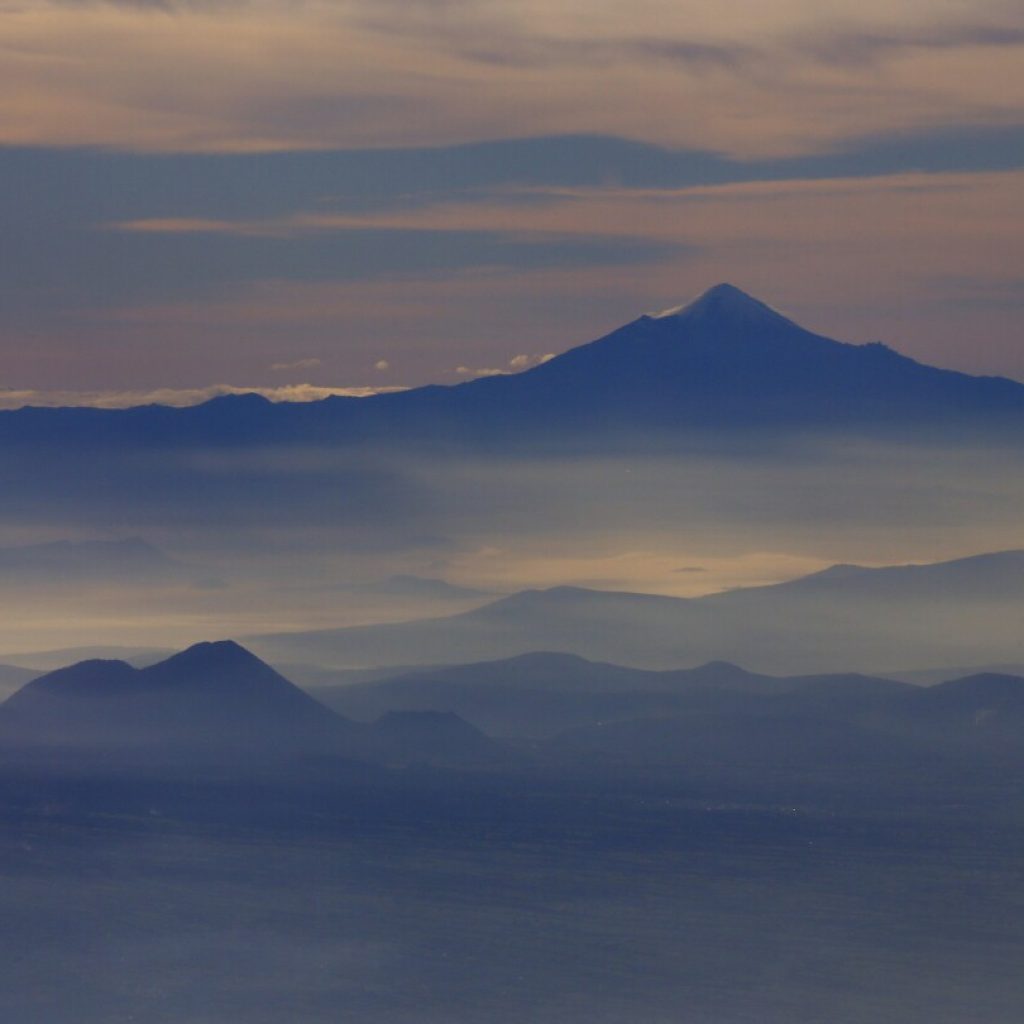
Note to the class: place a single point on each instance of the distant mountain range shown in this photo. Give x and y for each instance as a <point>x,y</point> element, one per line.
<point>542,694</point>
<point>961,612</point>
<point>216,709</point>
<point>725,362</point>
<point>715,715</point>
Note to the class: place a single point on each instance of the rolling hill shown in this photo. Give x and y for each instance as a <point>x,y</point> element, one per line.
<point>959,612</point>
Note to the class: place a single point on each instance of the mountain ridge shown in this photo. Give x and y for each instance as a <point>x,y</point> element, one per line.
<point>725,362</point>
<point>874,621</point>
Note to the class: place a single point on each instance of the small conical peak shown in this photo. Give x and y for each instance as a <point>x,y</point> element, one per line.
<point>726,304</point>
<point>218,653</point>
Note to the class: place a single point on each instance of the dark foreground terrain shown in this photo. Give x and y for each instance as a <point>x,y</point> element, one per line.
<point>529,894</point>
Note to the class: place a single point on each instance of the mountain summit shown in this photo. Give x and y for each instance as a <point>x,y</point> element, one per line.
<point>726,306</point>
<point>214,704</point>
<point>726,362</point>
<point>213,696</point>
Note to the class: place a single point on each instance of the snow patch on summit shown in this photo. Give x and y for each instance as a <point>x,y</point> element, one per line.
<point>724,301</point>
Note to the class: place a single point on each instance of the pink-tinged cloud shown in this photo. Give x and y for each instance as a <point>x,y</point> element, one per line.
<point>746,78</point>
<point>927,262</point>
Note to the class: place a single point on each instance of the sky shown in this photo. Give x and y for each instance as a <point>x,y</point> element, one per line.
<point>304,197</point>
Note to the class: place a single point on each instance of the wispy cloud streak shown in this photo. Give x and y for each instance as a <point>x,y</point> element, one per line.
<point>14,398</point>
<point>754,79</point>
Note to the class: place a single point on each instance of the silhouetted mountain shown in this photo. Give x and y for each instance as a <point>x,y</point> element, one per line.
<point>541,694</point>
<point>213,702</point>
<point>214,696</point>
<point>869,620</point>
<point>728,360</point>
<point>724,362</point>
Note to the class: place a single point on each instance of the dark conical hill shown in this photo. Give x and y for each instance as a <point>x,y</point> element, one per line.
<point>213,695</point>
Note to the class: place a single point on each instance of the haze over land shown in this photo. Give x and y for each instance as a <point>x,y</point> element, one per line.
<point>428,596</point>
<point>664,823</point>
<point>716,447</point>
<point>412,827</point>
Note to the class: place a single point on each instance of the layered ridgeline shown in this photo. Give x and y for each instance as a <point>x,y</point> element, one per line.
<point>214,703</point>
<point>217,707</point>
<point>542,694</point>
<point>962,612</point>
<point>724,362</point>
<point>716,713</point>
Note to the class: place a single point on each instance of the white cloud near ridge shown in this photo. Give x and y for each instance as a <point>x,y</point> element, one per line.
<point>15,398</point>
<point>515,365</point>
